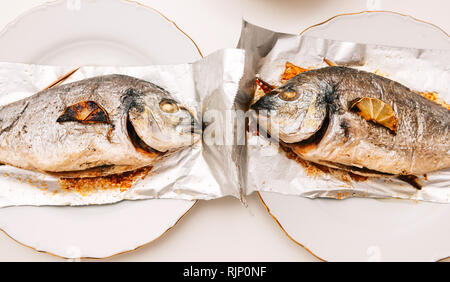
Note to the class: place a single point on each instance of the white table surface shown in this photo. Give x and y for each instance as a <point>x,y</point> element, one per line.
<point>223,230</point>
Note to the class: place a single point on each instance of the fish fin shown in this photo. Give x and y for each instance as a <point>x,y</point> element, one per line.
<point>412,180</point>
<point>93,173</point>
<point>84,112</point>
<point>99,115</point>
<point>61,79</point>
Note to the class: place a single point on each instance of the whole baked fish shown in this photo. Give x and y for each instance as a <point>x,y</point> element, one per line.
<point>315,115</point>
<point>94,127</point>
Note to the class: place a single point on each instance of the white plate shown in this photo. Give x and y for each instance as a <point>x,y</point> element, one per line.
<point>367,229</point>
<point>94,32</point>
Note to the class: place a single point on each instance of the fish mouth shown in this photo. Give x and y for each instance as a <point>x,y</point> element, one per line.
<point>137,142</point>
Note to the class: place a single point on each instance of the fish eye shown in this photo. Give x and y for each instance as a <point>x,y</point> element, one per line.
<point>288,96</point>
<point>168,106</point>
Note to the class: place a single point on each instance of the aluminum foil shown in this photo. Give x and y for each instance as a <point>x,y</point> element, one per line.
<point>203,171</point>
<point>267,168</point>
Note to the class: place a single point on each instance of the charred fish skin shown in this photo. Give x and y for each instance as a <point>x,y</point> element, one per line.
<point>94,127</point>
<point>321,106</point>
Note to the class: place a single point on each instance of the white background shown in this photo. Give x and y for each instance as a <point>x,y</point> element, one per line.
<point>223,230</point>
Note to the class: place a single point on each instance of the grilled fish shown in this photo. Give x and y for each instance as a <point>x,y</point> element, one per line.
<point>313,115</point>
<point>94,127</point>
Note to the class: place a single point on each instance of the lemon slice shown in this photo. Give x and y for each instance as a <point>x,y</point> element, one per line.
<point>377,111</point>
<point>433,96</point>
<point>328,62</point>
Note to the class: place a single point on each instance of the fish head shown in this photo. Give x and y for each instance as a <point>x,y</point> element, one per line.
<point>293,112</point>
<point>163,123</point>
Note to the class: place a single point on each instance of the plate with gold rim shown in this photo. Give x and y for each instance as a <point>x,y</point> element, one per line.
<point>72,32</point>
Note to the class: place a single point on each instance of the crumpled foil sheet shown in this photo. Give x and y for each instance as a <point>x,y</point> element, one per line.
<point>203,171</point>
<point>267,168</point>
